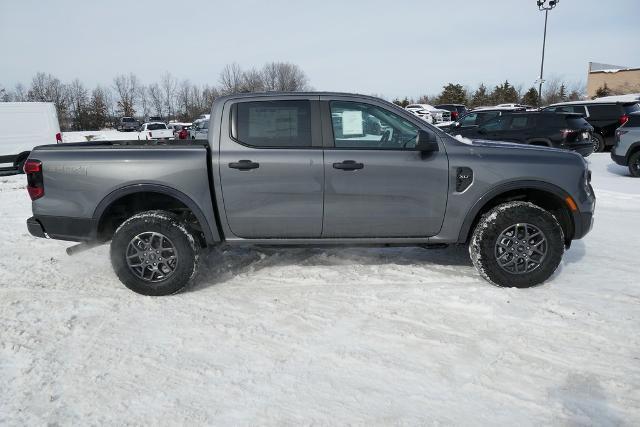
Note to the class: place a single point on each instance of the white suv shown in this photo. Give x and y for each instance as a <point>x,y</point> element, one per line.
<point>437,115</point>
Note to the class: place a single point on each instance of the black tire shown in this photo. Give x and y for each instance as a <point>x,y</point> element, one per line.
<point>598,143</point>
<point>634,164</point>
<point>484,245</point>
<point>159,225</point>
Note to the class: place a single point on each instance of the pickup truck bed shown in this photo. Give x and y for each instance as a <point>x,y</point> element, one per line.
<point>83,179</point>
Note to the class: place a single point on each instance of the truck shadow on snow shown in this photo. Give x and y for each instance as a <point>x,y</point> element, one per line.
<point>222,264</point>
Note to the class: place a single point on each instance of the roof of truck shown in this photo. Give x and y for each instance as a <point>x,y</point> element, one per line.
<point>277,94</point>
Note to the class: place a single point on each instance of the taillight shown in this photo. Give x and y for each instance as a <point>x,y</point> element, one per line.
<point>35,184</point>
<point>568,132</point>
<point>58,138</point>
<point>149,134</point>
<point>623,119</point>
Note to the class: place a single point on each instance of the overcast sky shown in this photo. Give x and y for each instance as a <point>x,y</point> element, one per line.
<point>392,48</point>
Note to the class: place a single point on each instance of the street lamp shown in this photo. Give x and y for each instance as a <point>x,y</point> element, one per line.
<point>545,5</point>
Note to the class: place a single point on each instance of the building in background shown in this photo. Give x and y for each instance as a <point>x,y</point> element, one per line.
<point>618,79</point>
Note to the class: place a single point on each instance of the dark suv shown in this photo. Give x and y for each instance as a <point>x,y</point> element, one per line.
<point>605,117</point>
<point>457,110</point>
<point>559,130</point>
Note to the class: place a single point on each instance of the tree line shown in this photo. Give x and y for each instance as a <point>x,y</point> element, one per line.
<point>82,108</point>
<point>554,90</point>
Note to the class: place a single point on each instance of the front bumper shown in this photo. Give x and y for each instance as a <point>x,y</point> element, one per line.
<point>583,223</point>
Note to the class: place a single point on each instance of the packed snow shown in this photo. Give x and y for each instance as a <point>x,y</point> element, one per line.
<point>400,336</point>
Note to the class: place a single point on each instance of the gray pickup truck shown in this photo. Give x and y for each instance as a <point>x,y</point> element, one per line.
<point>311,169</point>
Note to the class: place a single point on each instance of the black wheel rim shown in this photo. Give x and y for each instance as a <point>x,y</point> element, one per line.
<point>152,257</point>
<point>521,248</point>
<point>635,165</point>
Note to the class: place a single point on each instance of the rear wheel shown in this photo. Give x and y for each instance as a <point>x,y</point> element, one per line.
<point>634,164</point>
<point>517,244</point>
<point>598,143</point>
<point>153,253</point>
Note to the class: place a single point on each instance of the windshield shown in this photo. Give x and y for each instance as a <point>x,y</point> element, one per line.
<point>128,119</point>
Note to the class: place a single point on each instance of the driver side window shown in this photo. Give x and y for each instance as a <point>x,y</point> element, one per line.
<point>365,126</point>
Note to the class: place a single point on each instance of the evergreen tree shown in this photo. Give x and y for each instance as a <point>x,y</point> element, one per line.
<point>452,94</point>
<point>504,94</point>
<point>530,97</point>
<point>603,91</point>
<point>99,109</point>
<point>562,93</point>
<point>480,96</point>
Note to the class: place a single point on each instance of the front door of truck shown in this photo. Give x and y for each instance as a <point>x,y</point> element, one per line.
<point>376,183</point>
<point>271,167</point>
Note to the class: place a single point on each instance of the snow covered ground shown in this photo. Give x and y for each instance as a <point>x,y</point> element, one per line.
<point>98,135</point>
<point>366,336</point>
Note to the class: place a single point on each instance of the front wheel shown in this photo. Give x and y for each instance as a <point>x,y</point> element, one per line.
<point>153,253</point>
<point>517,244</point>
<point>634,164</point>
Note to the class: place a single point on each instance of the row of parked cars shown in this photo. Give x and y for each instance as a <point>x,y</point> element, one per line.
<point>154,128</point>
<point>581,126</point>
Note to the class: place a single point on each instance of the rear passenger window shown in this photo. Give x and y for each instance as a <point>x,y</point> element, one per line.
<point>604,111</point>
<point>519,122</point>
<point>274,123</point>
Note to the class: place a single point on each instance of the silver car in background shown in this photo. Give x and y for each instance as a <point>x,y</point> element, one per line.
<point>626,151</point>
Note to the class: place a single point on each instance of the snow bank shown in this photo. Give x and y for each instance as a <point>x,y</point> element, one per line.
<point>325,336</point>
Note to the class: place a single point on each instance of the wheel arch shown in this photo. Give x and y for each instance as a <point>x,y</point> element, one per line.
<point>546,195</point>
<point>633,148</point>
<point>106,205</point>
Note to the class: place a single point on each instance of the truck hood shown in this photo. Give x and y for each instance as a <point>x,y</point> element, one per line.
<point>503,144</point>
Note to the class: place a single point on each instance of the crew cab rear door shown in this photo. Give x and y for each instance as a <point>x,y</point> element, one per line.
<point>376,183</point>
<point>271,167</point>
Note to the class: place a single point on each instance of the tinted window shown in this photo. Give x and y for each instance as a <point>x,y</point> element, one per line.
<point>522,122</point>
<point>357,125</point>
<point>631,108</point>
<point>604,111</point>
<point>274,123</point>
<point>577,123</point>
<point>499,123</point>
<point>156,126</point>
<point>128,119</point>
<point>469,120</point>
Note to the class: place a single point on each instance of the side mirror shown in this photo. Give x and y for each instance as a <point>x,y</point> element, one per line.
<point>426,141</point>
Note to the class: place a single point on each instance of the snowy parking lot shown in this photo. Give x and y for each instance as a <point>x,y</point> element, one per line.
<point>327,336</point>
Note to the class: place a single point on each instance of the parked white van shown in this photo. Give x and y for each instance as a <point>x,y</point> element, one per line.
<point>24,125</point>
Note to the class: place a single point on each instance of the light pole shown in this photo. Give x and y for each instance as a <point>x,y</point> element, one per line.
<point>545,5</point>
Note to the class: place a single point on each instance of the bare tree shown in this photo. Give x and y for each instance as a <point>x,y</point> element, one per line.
<point>127,90</point>
<point>145,101</point>
<point>5,96</point>
<point>19,93</point>
<point>157,98</point>
<point>284,76</point>
<point>231,79</point>
<point>252,81</point>
<point>78,100</point>
<point>169,85</point>
<point>46,88</point>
